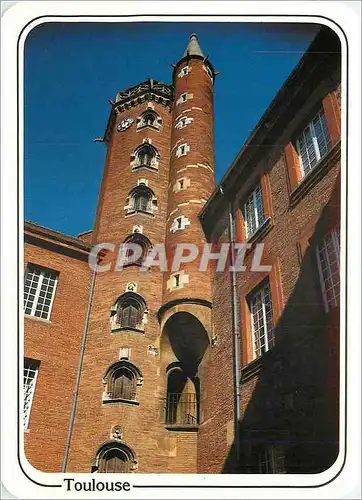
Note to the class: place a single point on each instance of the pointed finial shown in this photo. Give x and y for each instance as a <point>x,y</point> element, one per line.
<point>193,48</point>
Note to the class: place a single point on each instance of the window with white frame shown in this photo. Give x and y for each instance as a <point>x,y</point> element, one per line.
<point>271,459</point>
<point>313,143</point>
<point>328,266</point>
<point>182,150</point>
<point>39,290</point>
<point>184,71</point>
<point>183,122</point>
<point>253,212</point>
<point>31,368</point>
<point>261,312</point>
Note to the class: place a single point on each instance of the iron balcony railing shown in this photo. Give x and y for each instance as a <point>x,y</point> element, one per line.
<point>181,409</point>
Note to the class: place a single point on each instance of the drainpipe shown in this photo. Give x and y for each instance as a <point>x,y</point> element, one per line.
<point>79,370</point>
<point>236,330</point>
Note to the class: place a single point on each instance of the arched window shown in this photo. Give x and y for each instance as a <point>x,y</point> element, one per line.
<point>121,381</point>
<point>129,312</point>
<point>147,156</point>
<point>123,384</point>
<point>149,118</point>
<point>141,199</point>
<point>182,401</point>
<point>114,461</point>
<point>144,245</point>
<point>114,457</point>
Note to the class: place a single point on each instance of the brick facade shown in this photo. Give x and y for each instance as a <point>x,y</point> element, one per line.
<point>160,144</point>
<point>302,367</point>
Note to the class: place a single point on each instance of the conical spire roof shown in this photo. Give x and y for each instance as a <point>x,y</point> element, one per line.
<point>193,48</point>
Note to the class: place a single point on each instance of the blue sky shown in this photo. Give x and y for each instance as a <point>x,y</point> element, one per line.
<point>71,69</point>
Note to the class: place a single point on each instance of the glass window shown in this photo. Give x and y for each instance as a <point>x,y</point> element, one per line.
<point>328,266</point>
<point>39,291</point>
<point>30,375</point>
<point>253,212</point>
<point>261,309</point>
<point>313,143</point>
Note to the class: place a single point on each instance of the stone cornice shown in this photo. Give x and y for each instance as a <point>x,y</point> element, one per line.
<point>149,90</point>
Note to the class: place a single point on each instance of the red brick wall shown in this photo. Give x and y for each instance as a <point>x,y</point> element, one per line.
<point>198,166</point>
<point>302,322</point>
<point>156,449</point>
<point>56,344</point>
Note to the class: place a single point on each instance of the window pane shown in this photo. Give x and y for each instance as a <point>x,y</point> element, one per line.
<point>321,133</point>
<point>328,265</point>
<point>313,143</point>
<point>39,291</point>
<point>30,374</point>
<point>253,211</point>
<point>262,320</point>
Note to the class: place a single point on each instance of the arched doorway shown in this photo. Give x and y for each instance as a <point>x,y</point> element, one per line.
<point>182,398</point>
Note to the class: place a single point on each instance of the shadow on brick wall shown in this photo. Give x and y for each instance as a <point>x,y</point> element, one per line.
<point>289,424</point>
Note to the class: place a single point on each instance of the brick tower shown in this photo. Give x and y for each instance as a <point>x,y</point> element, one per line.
<point>138,403</point>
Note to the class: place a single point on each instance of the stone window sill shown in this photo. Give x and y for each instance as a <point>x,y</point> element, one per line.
<point>255,366</point>
<point>139,212</point>
<point>314,176</point>
<point>148,167</point>
<point>262,231</point>
<point>182,428</point>
<point>36,318</point>
<point>120,329</point>
<point>130,402</point>
<point>152,127</point>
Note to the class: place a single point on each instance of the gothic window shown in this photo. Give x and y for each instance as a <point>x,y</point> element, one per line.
<point>182,400</point>
<point>128,315</point>
<point>146,156</point>
<point>121,381</point>
<point>144,246</point>
<point>129,312</point>
<point>123,386</point>
<point>114,456</point>
<point>149,118</point>
<point>114,461</point>
<point>141,199</point>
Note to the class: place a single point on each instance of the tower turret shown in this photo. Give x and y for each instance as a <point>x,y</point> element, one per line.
<point>192,175</point>
<point>185,315</point>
